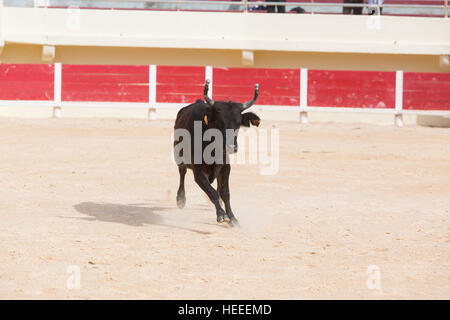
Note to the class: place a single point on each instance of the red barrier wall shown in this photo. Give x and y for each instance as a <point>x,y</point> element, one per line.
<point>179,84</point>
<point>104,83</point>
<point>426,91</point>
<point>26,81</point>
<point>276,86</point>
<point>351,89</point>
<point>184,85</point>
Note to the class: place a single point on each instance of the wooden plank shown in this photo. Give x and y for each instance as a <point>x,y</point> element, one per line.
<point>177,84</point>
<point>26,82</point>
<point>105,83</point>
<point>426,91</point>
<point>276,86</point>
<point>351,89</point>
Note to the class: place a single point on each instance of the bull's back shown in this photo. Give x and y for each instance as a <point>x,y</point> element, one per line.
<point>187,115</point>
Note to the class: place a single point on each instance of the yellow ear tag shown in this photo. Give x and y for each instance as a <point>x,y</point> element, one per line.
<point>205,119</point>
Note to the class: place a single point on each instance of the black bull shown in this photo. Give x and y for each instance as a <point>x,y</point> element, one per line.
<point>218,115</point>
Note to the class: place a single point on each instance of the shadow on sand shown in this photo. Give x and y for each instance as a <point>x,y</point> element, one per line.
<point>135,215</point>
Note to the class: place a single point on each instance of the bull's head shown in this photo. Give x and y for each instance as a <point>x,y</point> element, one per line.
<point>225,115</point>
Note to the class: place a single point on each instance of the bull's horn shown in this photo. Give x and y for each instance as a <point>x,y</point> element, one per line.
<point>205,94</point>
<point>251,102</point>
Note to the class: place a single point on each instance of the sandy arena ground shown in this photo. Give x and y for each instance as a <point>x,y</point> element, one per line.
<point>100,195</point>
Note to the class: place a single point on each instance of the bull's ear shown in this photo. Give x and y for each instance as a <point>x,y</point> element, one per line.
<point>250,118</point>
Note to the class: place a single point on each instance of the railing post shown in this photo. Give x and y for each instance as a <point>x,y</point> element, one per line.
<point>399,98</point>
<point>57,90</point>
<point>209,76</point>
<point>446,8</point>
<point>303,95</point>
<point>152,92</point>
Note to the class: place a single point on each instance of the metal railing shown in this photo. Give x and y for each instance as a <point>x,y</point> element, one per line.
<point>412,8</point>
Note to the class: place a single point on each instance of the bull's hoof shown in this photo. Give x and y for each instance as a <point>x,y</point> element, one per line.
<point>181,203</point>
<point>234,222</point>
<point>222,218</point>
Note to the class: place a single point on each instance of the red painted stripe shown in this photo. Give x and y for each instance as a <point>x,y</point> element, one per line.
<point>351,89</point>
<point>426,91</point>
<point>26,82</point>
<point>276,86</point>
<point>104,83</point>
<point>179,84</point>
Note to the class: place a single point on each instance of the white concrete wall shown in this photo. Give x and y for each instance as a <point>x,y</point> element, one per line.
<point>188,38</point>
<point>223,30</point>
<point>170,114</point>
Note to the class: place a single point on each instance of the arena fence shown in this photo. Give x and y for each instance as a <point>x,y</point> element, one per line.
<point>172,87</point>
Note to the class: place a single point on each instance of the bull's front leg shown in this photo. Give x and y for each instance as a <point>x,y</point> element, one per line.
<point>224,190</point>
<point>204,184</point>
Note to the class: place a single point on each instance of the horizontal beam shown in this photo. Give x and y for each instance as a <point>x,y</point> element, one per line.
<point>223,30</point>
<point>16,53</point>
<point>177,106</point>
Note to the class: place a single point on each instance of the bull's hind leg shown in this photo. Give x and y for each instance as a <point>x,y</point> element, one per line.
<point>181,197</point>
<point>222,204</point>
<point>220,190</point>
